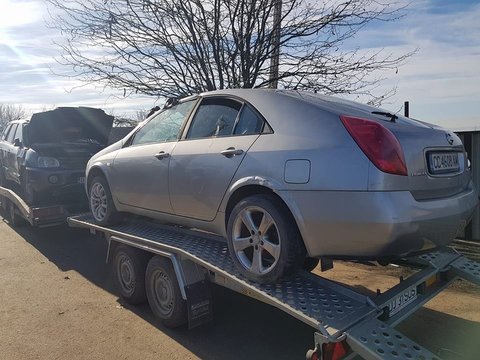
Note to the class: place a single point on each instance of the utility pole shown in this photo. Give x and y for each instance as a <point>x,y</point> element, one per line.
<point>274,60</point>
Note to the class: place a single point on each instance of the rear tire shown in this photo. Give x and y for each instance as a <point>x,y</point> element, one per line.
<point>163,293</point>
<point>129,266</point>
<point>310,263</point>
<point>3,199</point>
<point>101,202</point>
<point>263,239</point>
<point>3,181</point>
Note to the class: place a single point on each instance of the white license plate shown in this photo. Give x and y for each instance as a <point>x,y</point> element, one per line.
<point>443,162</point>
<point>402,300</point>
<point>81,180</point>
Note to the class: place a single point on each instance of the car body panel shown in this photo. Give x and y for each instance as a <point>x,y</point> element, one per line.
<point>139,179</point>
<point>92,122</point>
<point>200,175</point>
<point>356,224</point>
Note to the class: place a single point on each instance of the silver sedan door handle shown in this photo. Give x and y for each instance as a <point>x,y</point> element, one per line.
<point>231,151</point>
<point>162,155</point>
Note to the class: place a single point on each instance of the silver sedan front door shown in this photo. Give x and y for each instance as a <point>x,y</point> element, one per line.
<point>140,170</point>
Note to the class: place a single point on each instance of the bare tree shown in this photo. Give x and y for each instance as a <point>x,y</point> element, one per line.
<point>10,112</point>
<point>179,47</point>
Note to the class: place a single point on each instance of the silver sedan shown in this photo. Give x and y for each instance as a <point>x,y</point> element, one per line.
<point>287,176</point>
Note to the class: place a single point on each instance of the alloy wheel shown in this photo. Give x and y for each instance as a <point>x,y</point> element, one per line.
<point>256,240</point>
<point>98,201</point>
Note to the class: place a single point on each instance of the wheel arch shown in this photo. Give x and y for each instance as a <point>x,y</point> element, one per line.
<point>260,185</point>
<point>95,170</point>
<point>255,186</point>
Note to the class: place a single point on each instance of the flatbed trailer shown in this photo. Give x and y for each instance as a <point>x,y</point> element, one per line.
<point>18,211</point>
<point>347,323</point>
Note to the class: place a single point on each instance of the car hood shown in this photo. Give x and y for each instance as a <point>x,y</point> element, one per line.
<point>70,124</point>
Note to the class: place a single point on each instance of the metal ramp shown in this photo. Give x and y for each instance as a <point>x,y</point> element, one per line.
<point>373,339</point>
<point>467,269</point>
<point>335,311</point>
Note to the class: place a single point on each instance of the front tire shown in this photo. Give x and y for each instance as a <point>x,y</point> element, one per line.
<point>15,219</point>
<point>163,293</point>
<point>263,239</point>
<point>101,202</point>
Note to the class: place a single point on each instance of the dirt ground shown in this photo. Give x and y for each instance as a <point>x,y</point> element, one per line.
<point>57,301</point>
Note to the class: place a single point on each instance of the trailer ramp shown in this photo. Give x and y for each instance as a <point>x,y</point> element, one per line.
<point>336,311</point>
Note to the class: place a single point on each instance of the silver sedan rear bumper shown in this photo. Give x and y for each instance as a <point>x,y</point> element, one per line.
<point>354,224</point>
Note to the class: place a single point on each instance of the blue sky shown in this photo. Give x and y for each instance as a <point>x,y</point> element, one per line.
<point>441,81</point>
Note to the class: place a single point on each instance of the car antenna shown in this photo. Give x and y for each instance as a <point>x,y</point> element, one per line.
<point>392,117</point>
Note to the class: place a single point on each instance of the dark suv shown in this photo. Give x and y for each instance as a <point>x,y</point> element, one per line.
<point>44,158</point>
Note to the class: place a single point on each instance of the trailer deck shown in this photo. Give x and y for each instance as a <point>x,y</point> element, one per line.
<point>335,311</point>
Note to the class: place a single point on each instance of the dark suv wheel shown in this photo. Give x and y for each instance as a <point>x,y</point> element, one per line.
<point>263,239</point>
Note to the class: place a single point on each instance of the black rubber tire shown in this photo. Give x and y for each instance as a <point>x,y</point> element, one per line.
<point>14,219</point>
<point>31,198</point>
<point>310,263</point>
<point>4,200</point>
<point>292,250</point>
<point>3,181</point>
<point>132,263</point>
<point>160,276</point>
<point>112,216</point>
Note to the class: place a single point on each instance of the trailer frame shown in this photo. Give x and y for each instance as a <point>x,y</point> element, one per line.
<point>343,319</point>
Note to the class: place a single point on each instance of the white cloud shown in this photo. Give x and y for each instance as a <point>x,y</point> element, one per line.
<point>18,13</point>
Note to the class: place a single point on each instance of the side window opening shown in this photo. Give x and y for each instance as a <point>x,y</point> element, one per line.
<point>249,122</point>
<point>18,133</point>
<point>165,126</point>
<point>214,118</point>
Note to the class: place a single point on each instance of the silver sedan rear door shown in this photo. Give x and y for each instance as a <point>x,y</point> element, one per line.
<point>204,162</point>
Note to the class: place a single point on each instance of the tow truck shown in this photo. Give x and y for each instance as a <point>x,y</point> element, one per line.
<point>174,268</point>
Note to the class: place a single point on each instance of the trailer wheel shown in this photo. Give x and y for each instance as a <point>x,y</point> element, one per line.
<point>163,293</point>
<point>101,202</point>
<point>263,239</point>
<point>129,266</point>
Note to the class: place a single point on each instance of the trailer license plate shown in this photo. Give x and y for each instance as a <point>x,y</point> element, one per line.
<point>81,180</point>
<point>402,300</point>
<point>443,162</point>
